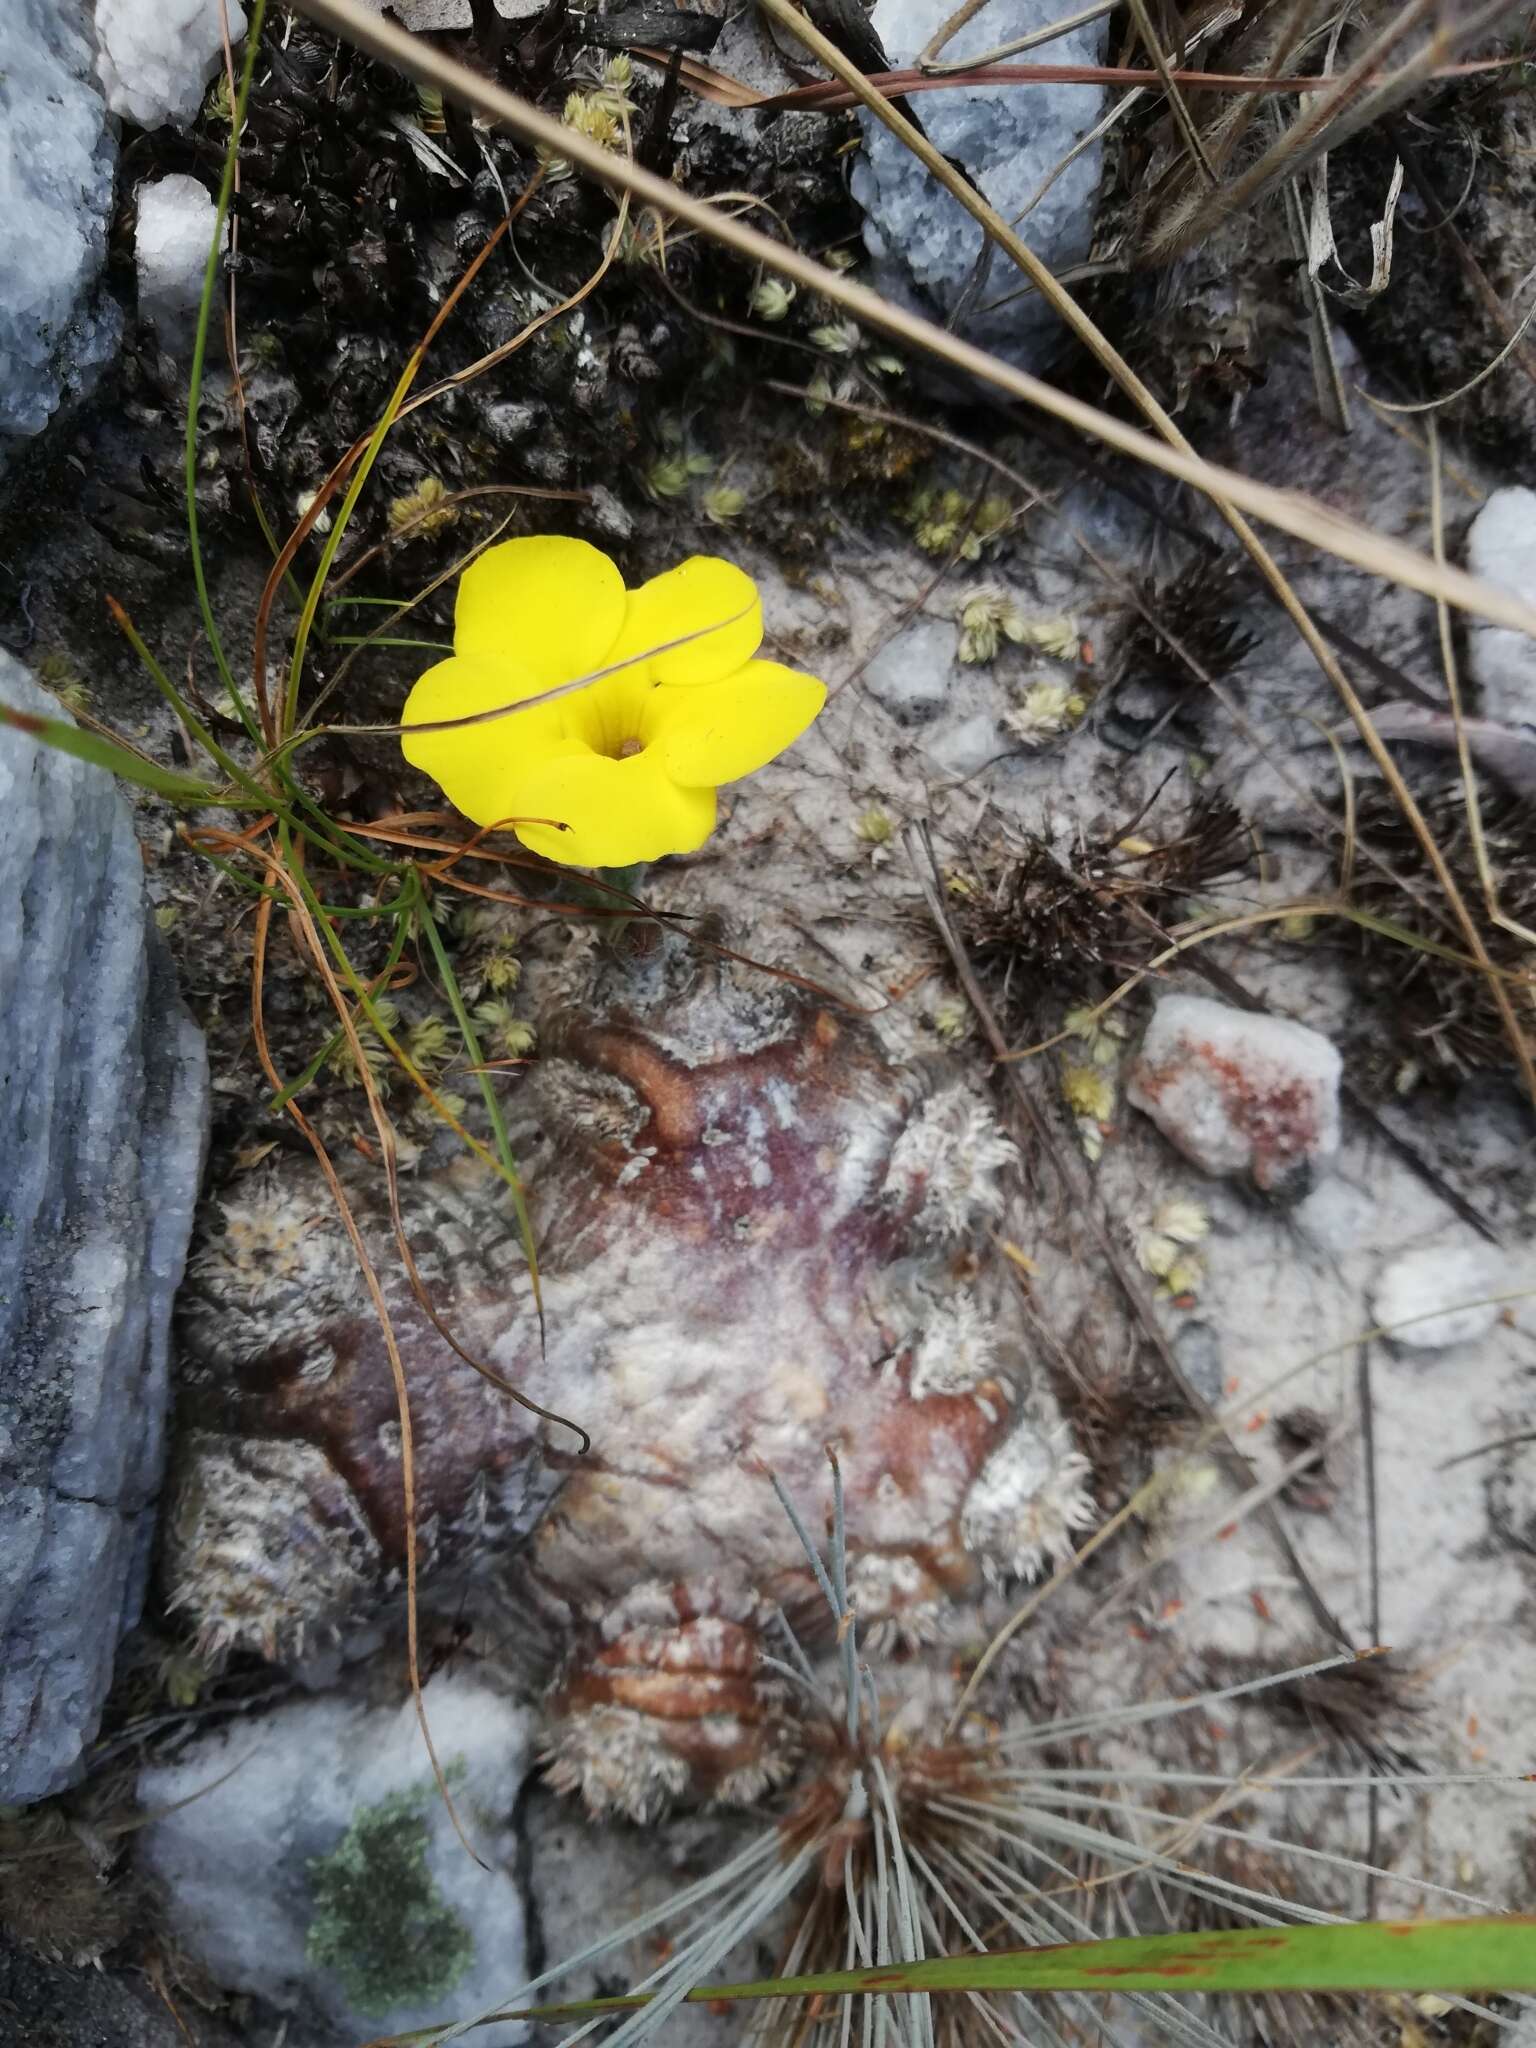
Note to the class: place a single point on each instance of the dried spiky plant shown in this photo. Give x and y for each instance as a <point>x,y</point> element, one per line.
<point>1188,628</point>
<point>1076,919</point>
<point>1433,1019</point>
<point>1118,1405</point>
<point>1360,1709</point>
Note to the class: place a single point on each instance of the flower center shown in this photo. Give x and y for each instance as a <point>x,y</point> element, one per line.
<point>629,748</point>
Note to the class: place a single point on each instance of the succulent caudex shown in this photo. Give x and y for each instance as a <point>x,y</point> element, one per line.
<point>759,1237</point>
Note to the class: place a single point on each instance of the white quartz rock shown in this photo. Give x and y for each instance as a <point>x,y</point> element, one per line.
<point>155,57</point>
<point>1455,1276</point>
<point>1239,1093</point>
<point>1501,547</point>
<point>170,245</point>
<point>315,1856</point>
<point>913,673</point>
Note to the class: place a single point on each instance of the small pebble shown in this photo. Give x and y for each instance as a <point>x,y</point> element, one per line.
<point>1453,1276</point>
<point>1238,1093</point>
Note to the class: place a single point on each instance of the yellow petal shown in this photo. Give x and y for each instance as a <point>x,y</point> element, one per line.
<point>617,811</point>
<point>477,766</point>
<point>719,731</point>
<point>553,606</point>
<point>703,596</point>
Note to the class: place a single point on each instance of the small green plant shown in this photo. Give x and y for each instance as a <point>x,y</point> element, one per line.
<point>380,1921</point>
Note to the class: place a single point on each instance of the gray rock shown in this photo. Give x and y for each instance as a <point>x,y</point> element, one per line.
<point>912,675</point>
<point>1010,139</point>
<point>1197,1347</point>
<point>52,2005</point>
<point>103,1110</point>
<point>307,1856</point>
<point>56,158</point>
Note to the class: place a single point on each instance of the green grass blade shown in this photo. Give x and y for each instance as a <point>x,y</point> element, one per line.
<point>67,738</point>
<point>1372,1955</point>
<point>1489,1955</point>
<point>338,1038</point>
<point>334,538</point>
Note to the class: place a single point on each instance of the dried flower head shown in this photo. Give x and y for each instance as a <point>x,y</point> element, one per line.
<point>1103,1033</point>
<point>986,614</point>
<point>772,298</point>
<point>951,1154</point>
<point>422,511</point>
<point>595,115</point>
<point>1088,1091</point>
<point>724,503</point>
<point>344,1061</point>
<point>508,1033</point>
<point>1047,710</point>
<point>503,970</point>
<point>430,1041</point>
<point>957,1350</point>
<point>1059,637</point>
<point>839,337</point>
<point>942,520</point>
<point>952,1019</point>
<point>1030,1501</point>
<point>1183,1219</point>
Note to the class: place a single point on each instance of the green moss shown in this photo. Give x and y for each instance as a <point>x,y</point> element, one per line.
<point>379,1921</point>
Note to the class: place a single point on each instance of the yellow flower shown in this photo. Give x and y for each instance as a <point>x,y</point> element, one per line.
<point>624,768</point>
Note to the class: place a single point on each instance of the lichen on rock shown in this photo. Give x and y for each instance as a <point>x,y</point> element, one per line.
<point>380,1921</point>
